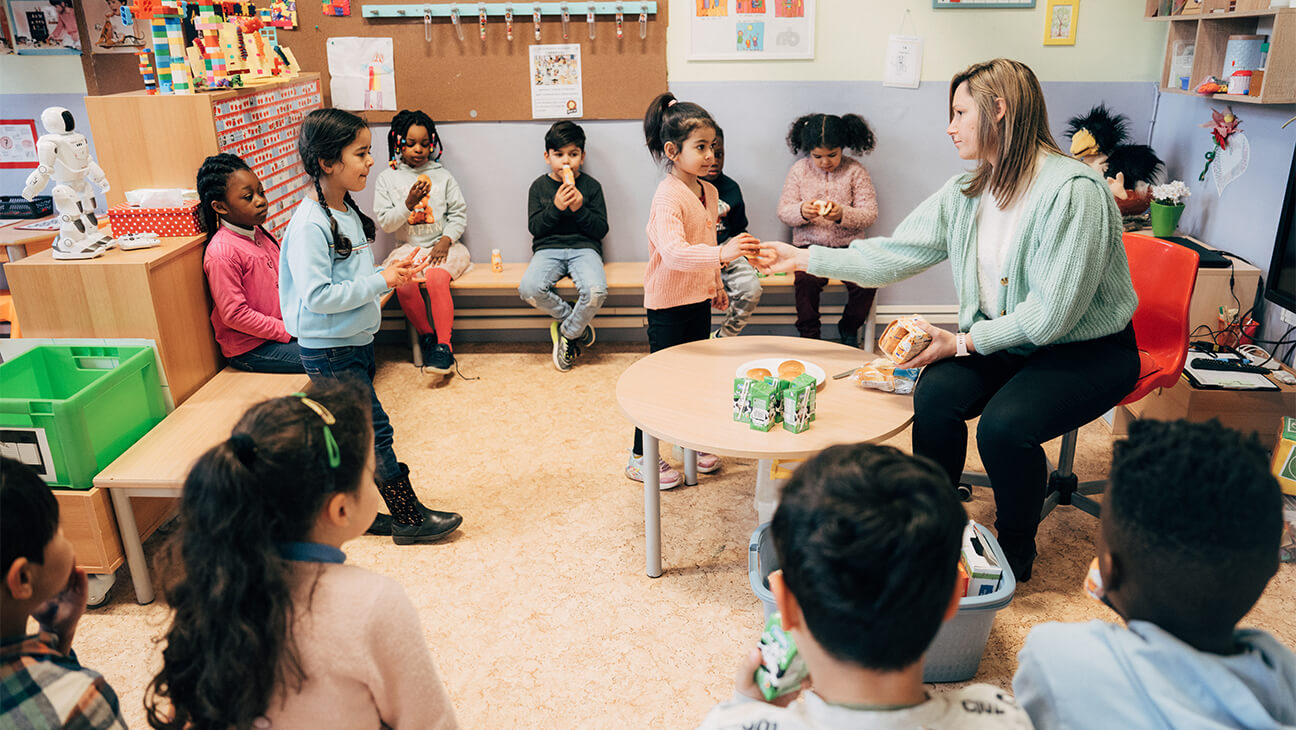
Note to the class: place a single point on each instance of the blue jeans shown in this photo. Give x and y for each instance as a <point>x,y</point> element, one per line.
<point>585,267</point>
<point>270,357</point>
<point>744,290</point>
<point>355,366</point>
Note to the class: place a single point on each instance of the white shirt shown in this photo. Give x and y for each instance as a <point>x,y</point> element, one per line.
<point>997,233</point>
<point>975,707</point>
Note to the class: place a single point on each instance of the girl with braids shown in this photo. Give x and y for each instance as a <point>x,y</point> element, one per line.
<point>242,267</point>
<point>270,627</point>
<point>682,279</point>
<point>419,201</point>
<point>828,200</point>
<point>329,290</point>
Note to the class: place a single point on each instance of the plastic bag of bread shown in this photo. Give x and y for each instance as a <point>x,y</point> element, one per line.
<point>903,339</point>
<point>882,374</point>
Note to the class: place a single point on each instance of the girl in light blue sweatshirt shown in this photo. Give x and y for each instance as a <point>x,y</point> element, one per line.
<point>329,289</point>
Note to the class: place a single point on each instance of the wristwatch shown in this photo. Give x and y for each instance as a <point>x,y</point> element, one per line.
<point>960,345</point>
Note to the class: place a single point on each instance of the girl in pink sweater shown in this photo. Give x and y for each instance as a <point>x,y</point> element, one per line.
<point>270,627</point>
<point>682,279</point>
<point>828,200</point>
<point>242,267</point>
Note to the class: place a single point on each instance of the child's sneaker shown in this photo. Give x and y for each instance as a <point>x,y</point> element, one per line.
<point>564,350</point>
<point>706,463</point>
<point>669,478</point>
<point>587,337</point>
<point>440,360</point>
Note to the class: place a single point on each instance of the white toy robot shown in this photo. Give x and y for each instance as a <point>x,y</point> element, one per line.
<point>65,156</point>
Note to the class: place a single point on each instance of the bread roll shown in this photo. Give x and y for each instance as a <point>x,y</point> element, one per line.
<point>789,369</point>
<point>758,373</point>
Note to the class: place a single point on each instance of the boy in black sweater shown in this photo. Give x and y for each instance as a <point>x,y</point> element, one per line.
<point>568,220</point>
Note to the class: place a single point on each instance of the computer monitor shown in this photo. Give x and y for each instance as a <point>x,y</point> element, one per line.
<point>1281,285</point>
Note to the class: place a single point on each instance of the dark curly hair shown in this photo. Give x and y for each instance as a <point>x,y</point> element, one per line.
<point>671,120</point>
<point>830,131</point>
<point>1192,505</point>
<point>325,133</point>
<point>213,178</point>
<point>868,539</point>
<point>29,514</point>
<point>230,643</point>
<point>400,125</point>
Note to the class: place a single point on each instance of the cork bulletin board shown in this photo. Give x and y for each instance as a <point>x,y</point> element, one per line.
<point>476,80</point>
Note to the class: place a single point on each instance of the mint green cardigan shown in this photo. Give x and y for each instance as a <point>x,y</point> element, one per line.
<point>1065,279</point>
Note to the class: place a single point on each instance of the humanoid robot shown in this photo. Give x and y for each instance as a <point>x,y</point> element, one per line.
<point>64,155</point>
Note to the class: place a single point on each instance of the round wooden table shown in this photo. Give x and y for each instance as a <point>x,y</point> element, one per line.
<point>684,395</point>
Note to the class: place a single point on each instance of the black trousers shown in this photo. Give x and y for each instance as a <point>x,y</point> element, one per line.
<point>807,288</point>
<point>674,326</point>
<point>1023,401</point>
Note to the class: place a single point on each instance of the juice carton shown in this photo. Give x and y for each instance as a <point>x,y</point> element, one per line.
<point>782,669</point>
<point>796,407</point>
<point>1284,456</point>
<point>764,406</point>
<point>742,406</point>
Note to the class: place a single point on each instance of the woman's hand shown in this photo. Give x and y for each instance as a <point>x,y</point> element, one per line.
<point>777,257</point>
<point>416,194</point>
<point>833,211</point>
<point>401,271</point>
<point>943,345</point>
<point>743,244</point>
<point>809,210</point>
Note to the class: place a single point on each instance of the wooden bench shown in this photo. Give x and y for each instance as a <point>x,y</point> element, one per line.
<point>157,465</point>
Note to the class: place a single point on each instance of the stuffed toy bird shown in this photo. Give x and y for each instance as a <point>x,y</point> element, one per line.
<point>1099,140</point>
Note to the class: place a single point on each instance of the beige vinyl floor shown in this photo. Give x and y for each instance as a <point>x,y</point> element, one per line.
<point>538,611</point>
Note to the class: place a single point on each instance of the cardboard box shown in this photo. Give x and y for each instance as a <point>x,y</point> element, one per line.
<point>182,221</point>
<point>1284,456</point>
<point>982,569</point>
<point>742,405</point>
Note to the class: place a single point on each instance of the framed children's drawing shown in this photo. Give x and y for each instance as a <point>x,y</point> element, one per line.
<point>1060,19</point>
<point>970,4</point>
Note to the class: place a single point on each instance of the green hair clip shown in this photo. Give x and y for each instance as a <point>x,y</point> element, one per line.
<point>334,454</point>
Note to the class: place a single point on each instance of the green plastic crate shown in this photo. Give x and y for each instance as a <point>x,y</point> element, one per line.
<point>69,411</point>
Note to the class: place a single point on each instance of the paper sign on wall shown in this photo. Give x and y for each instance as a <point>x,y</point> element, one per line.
<point>556,89</point>
<point>751,30</point>
<point>903,61</point>
<point>363,74</point>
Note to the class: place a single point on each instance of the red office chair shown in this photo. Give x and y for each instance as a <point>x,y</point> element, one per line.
<point>1164,275</point>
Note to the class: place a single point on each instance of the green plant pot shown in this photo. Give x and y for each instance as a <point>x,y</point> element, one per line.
<point>1165,218</point>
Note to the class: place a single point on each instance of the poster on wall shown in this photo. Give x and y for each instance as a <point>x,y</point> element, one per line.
<point>903,61</point>
<point>44,26</point>
<point>555,81</point>
<point>18,144</point>
<point>113,27</point>
<point>751,30</point>
<point>363,74</point>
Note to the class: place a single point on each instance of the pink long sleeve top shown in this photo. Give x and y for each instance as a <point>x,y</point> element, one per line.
<point>243,274</point>
<point>683,258</point>
<point>849,186</point>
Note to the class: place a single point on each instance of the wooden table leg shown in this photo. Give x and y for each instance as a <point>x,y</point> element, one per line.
<point>652,506</point>
<point>130,538</point>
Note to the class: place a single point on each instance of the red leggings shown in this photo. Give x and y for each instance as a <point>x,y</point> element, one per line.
<point>438,289</point>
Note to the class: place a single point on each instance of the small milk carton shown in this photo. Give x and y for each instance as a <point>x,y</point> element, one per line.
<point>780,386</point>
<point>808,380</point>
<point>742,405</point>
<point>798,405</point>
<point>764,406</point>
<point>1284,456</point>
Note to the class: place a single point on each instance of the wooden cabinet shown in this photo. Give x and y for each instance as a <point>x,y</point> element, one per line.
<point>154,293</point>
<point>160,141</point>
<point>1249,411</point>
<point>1208,31</point>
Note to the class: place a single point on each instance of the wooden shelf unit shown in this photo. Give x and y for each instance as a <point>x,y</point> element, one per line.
<point>1210,31</point>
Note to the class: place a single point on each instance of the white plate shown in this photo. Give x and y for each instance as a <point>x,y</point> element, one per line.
<point>771,364</point>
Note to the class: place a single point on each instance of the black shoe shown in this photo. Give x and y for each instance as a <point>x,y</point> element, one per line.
<point>849,339</point>
<point>436,525</point>
<point>427,343</point>
<point>382,525</point>
<point>587,337</point>
<point>1021,556</point>
<point>439,360</point>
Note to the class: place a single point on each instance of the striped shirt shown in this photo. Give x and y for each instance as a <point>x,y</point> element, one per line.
<point>43,688</point>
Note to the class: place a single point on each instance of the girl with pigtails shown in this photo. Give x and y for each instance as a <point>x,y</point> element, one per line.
<point>329,289</point>
<point>828,200</point>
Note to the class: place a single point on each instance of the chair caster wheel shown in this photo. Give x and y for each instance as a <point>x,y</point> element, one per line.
<point>965,493</point>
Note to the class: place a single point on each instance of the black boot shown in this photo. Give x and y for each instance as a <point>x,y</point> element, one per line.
<point>382,524</point>
<point>411,522</point>
<point>1020,551</point>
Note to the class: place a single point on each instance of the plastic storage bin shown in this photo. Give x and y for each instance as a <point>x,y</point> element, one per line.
<point>69,411</point>
<point>956,652</point>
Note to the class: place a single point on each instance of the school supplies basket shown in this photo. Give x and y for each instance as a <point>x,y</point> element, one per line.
<point>69,411</point>
<point>956,652</point>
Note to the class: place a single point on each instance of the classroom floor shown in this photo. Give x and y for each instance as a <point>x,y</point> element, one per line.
<point>538,611</point>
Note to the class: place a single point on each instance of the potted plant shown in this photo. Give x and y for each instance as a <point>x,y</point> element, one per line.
<point>1167,206</point>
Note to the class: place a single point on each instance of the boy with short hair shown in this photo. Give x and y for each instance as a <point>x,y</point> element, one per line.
<point>868,539</point>
<point>568,220</point>
<point>41,682</point>
<point>738,276</point>
<point>1191,522</point>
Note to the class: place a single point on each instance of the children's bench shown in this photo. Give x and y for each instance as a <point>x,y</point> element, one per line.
<point>157,465</point>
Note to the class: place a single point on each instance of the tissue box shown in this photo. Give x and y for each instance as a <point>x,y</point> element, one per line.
<point>182,221</point>
<point>1284,456</point>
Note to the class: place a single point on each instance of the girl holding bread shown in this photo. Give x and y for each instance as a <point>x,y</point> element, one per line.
<point>828,200</point>
<point>682,279</point>
<point>1045,342</point>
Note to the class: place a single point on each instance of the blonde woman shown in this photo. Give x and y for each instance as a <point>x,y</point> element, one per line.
<point>1044,342</point>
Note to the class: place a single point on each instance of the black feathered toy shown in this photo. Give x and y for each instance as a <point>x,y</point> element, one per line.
<point>1099,139</point>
